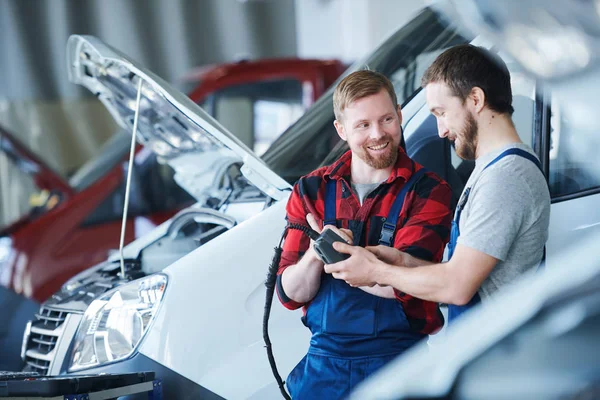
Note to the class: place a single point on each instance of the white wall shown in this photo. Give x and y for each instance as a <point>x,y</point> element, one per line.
<point>348,29</point>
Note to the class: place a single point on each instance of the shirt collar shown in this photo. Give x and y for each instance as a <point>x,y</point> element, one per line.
<point>341,168</point>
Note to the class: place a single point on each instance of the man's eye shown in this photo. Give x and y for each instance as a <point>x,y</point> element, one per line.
<point>363,125</point>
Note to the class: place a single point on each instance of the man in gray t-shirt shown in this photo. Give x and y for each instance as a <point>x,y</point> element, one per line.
<point>501,220</point>
<point>506,218</point>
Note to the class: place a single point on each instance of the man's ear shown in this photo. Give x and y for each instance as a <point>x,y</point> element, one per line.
<point>339,127</point>
<point>477,99</point>
<point>399,112</point>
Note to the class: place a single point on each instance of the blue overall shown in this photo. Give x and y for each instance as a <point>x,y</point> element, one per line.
<point>455,311</point>
<point>354,333</point>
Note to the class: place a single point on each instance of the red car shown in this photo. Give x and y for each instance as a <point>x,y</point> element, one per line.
<point>76,223</point>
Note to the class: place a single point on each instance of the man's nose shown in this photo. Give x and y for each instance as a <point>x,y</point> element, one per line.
<point>377,131</point>
<point>442,130</point>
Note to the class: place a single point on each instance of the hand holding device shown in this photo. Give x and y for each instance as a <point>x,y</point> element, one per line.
<point>324,247</point>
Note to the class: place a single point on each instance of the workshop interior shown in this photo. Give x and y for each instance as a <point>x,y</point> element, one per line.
<point>187,188</point>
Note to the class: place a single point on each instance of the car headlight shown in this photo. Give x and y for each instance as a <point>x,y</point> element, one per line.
<point>114,325</point>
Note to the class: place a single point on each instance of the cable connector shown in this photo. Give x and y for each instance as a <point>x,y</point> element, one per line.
<point>311,233</point>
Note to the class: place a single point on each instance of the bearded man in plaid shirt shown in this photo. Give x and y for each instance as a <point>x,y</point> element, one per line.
<point>373,195</point>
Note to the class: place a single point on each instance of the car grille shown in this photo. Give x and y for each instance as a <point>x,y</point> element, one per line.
<point>46,331</point>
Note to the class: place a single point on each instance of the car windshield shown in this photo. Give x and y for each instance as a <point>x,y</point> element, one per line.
<point>258,112</point>
<point>113,151</point>
<point>312,141</point>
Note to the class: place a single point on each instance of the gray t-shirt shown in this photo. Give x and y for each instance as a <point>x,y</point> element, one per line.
<point>362,190</point>
<point>506,216</point>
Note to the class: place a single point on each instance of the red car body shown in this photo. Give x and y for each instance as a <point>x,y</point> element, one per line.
<point>50,246</point>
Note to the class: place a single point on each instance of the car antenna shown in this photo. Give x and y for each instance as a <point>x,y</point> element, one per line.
<point>129,169</point>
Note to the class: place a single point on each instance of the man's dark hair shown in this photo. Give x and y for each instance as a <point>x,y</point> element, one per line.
<point>466,66</point>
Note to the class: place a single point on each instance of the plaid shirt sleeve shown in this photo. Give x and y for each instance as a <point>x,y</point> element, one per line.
<point>424,235</point>
<point>295,245</point>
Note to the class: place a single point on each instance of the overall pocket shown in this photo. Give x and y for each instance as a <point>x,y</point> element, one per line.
<point>392,317</point>
<point>348,311</point>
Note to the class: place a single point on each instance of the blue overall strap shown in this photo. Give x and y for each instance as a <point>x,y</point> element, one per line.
<point>455,232</point>
<point>455,311</point>
<point>517,152</point>
<point>330,200</point>
<point>389,226</point>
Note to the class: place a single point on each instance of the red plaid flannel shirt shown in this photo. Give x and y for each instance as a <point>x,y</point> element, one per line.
<point>426,215</point>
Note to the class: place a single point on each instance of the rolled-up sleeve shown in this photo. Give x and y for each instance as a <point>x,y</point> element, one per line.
<point>295,245</point>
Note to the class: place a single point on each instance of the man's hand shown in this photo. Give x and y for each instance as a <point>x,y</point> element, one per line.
<point>390,255</point>
<point>370,287</point>
<point>358,270</point>
<point>345,234</point>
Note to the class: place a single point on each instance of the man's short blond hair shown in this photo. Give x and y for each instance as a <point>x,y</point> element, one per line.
<point>358,85</point>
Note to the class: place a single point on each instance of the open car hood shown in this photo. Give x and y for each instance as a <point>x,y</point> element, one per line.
<point>169,123</point>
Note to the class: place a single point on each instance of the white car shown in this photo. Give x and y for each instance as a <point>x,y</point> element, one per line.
<point>198,322</point>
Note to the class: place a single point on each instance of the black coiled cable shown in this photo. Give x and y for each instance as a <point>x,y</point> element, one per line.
<point>270,284</point>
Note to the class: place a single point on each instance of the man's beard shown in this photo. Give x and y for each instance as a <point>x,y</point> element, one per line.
<point>468,139</point>
<point>384,160</point>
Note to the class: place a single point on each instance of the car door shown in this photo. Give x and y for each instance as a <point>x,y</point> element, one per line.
<point>574,183</point>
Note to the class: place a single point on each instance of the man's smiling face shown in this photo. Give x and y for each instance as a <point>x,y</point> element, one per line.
<point>454,120</point>
<point>371,126</point>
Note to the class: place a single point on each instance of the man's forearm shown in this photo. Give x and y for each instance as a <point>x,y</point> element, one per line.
<point>301,281</point>
<point>394,256</point>
<point>430,281</point>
